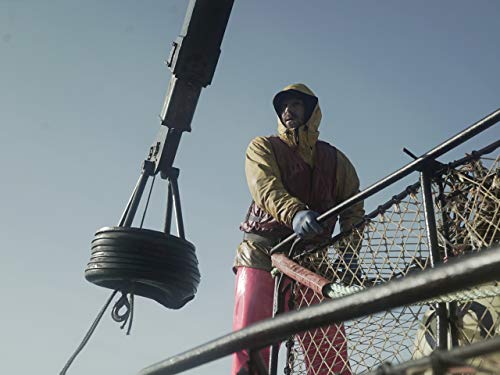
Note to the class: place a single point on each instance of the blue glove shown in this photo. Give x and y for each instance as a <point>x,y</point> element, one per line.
<point>305,225</point>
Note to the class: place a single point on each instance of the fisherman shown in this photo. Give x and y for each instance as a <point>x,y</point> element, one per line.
<point>292,177</point>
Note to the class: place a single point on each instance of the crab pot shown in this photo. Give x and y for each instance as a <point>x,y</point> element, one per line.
<point>145,262</point>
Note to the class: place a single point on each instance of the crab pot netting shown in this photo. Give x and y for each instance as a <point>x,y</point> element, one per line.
<point>391,243</point>
<point>470,206</point>
<point>469,220</point>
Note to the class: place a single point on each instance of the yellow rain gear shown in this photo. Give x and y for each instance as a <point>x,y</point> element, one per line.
<point>267,189</point>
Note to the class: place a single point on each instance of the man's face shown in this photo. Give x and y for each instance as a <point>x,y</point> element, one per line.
<point>292,112</point>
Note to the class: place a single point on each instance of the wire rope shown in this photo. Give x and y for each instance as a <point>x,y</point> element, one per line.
<point>88,334</point>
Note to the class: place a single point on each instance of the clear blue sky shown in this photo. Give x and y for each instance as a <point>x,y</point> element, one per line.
<point>81,86</point>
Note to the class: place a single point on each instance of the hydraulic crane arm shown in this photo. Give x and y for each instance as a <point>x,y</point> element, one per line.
<point>192,60</point>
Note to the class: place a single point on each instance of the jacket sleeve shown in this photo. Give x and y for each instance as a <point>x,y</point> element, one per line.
<point>347,186</point>
<point>265,184</point>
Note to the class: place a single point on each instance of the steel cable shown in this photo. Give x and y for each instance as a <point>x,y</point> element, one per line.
<point>88,334</point>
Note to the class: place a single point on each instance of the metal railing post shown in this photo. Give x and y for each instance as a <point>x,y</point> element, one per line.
<point>452,306</point>
<point>435,256</point>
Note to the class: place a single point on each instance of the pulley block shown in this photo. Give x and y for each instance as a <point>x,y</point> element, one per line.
<point>144,262</point>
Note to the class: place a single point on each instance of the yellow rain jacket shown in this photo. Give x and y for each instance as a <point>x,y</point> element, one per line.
<point>267,190</point>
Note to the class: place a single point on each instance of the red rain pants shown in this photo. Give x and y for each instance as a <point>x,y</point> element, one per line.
<point>254,292</point>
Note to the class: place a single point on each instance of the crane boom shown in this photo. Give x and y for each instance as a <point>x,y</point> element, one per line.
<point>192,60</point>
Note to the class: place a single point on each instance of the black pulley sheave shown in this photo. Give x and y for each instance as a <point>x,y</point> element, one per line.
<point>148,263</point>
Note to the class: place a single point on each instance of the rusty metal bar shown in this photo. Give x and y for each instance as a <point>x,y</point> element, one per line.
<point>298,273</point>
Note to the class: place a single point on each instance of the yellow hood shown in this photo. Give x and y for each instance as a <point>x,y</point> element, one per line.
<point>305,136</point>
